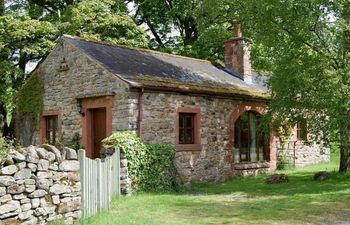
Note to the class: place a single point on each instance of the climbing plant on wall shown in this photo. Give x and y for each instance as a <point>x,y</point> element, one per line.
<point>151,166</point>
<point>30,97</point>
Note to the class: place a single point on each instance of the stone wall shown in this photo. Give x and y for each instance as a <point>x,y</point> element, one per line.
<point>82,78</point>
<point>299,154</point>
<point>40,184</point>
<point>211,162</point>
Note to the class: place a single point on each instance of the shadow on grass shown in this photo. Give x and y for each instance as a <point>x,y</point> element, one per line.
<point>299,183</point>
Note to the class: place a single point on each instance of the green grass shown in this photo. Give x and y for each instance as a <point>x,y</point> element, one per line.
<point>241,201</point>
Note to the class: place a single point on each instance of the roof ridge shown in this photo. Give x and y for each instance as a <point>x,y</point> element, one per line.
<point>134,48</point>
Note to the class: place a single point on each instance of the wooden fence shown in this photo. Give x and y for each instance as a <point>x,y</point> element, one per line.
<point>100,181</point>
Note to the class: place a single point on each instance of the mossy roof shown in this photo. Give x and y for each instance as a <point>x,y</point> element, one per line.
<point>144,68</point>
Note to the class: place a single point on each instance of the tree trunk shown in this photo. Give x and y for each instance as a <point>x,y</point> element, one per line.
<point>344,165</point>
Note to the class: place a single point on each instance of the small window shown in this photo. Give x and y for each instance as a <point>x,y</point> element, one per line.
<point>302,130</point>
<point>51,130</point>
<point>186,128</point>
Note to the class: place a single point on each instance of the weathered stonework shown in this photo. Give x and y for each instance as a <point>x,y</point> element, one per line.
<point>84,78</point>
<point>81,77</point>
<point>299,154</point>
<point>213,162</point>
<point>36,197</point>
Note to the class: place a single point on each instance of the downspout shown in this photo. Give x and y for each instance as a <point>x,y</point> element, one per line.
<point>140,108</point>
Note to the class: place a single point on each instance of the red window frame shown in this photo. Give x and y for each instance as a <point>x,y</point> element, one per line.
<point>51,129</point>
<point>193,142</point>
<point>50,132</point>
<point>245,156</point>
<point>186,128</point>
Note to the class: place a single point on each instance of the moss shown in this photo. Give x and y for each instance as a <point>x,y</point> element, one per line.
<point>209,87</point>
<point>30,97</point>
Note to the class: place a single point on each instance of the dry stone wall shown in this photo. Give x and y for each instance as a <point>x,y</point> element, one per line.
<point>40,184</point>
<point>300,154</point>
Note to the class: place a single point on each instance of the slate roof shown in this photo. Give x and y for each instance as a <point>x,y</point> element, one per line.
<point>163,71</point>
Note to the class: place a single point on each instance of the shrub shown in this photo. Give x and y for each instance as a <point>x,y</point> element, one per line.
<point>159,170</point>
<point>151,167</point>
<point>74,143</point>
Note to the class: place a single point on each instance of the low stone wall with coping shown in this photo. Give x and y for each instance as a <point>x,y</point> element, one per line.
<point>40,184</point>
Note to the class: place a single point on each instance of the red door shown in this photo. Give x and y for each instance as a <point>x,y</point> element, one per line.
<point>98,130</point>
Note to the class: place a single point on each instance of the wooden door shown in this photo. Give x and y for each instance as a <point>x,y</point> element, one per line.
<point>98,130</point>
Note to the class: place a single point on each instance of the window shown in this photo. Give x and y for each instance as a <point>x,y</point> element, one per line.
<point>186,128</point>
<point>250,143</point>
<point>51,129</point>
<point>302,130</point>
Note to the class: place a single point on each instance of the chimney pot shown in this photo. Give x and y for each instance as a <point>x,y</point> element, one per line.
<point>238,32</point>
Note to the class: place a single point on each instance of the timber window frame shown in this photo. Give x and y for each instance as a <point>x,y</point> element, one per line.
<point>50,129</point>
<point>301,130</point>
<point>188,129</point>
<point>250,144</point>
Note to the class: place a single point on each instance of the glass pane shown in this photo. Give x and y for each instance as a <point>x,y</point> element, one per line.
<point>181,136</point>
<point>181,120</point>
<point>244,154</point>
<point>51,129</point>
<point>189,121</point>
<point>244,134</point>
<point>237,133</point>
<point>253,147</point>
<point>236,154</point>
<point>189,136</point>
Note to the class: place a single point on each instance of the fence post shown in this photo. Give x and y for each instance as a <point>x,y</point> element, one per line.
<point>81,157</point>
<point>117,152</point>
<point>100,180</point>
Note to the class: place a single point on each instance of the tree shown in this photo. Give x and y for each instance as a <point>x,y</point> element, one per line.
<point>305,44</point>
<point>162,17</point>
<point>22,40</point>
<point>99,20</point>
<point>29,28</point>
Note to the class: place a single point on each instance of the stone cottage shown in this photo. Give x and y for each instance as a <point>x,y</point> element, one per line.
<point>210,113</point>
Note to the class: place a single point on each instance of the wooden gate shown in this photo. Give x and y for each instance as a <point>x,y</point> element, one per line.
<point>100,181</point>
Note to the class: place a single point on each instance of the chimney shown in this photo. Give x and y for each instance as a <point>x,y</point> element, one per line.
<point>237,54</point>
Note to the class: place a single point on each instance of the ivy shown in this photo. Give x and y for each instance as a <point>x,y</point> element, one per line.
<point>151,166</point>
<point>30,98</point>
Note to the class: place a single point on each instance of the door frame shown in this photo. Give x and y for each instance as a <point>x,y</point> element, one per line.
<point>92,103</point>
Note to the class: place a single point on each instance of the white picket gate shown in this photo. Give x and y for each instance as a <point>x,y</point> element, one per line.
<point>100,181</point>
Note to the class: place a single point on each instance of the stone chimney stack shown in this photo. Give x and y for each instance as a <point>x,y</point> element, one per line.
<point>237,54</point>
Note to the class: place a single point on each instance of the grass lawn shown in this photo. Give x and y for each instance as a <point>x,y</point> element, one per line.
<point>241,201</point>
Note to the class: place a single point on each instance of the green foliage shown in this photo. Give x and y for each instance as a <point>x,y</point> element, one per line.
<point>22,39</point>
<point>94,20</point>
<point>151,167</point>
<point>159,172</point>
<point>240,200</point>
<point>305,46</point>
<point>284,162</point>
<point>29,29</point>
<point>30,97</point>
<point>74,143</point>
<point>4,150</point>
